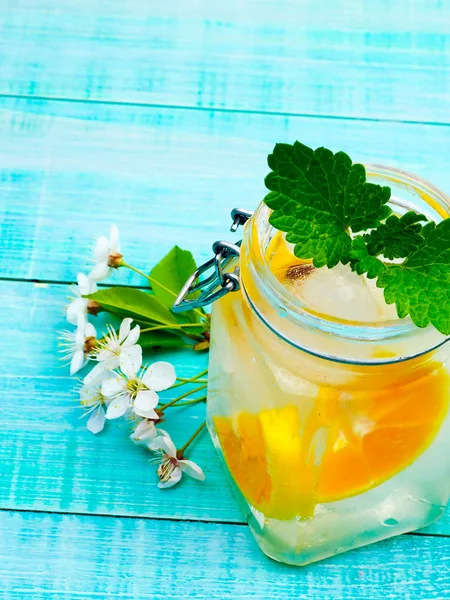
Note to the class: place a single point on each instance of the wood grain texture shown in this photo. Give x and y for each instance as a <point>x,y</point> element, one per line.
<point>71,166</point>
<point>378,59</point>
<point>49,461</point>
<point>69,169</point>
<point>60,557</point>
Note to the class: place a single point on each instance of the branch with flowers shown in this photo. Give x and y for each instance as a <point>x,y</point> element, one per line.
<point>119,385</point>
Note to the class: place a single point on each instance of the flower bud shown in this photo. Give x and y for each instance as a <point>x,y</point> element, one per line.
<point>115,260</point>
<point>90,343</point>
<point>94,307</point>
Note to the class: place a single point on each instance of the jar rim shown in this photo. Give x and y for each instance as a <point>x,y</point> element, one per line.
<point>352,330</point>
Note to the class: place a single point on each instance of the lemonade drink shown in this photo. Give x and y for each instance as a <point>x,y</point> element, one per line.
<point>330,413</point>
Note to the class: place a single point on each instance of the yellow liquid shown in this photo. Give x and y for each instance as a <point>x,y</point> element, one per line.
<point>296,432</point>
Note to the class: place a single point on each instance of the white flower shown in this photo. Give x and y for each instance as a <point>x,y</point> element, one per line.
<point>146,432</point>
<point>79,344</point>
<point>128,390</point>
<point>92,398</point>
<point>79,305</point>
<point>171,468</point>
<point>106,255</point>
<point>114,350</point>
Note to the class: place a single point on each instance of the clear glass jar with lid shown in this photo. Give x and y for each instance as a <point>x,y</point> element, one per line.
<point>331,414</point>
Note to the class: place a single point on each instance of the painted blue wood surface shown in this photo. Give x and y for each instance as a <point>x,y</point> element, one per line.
<point>377,59</point>
<point>136,559</point>
<point>50,462</point>
<point>217,76</point>
<point>70,169</point>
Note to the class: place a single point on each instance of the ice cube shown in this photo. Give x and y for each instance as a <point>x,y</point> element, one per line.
<point>339,293</point>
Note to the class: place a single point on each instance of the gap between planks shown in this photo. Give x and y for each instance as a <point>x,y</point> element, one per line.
<point>222,110</point>
<point>60,282</point>
<point>171,519</point>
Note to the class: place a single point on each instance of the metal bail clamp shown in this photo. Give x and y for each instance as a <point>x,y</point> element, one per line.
<point>219,282</point>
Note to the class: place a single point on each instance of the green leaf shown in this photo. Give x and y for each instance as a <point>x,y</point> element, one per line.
<point>398,237</point>
<point>170,274</point>
<point>362,262</point>
<point>319,198</point>
<point>161,339</point>
<point>167,279</point>
<point>130,302</point>
<point>420,285</point>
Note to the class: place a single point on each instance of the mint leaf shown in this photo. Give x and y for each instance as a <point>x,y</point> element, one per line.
<point>319,198</point>
<point>362,262</point>
<point>130,302</point>
<point>398,237</point>
<point>420,285</point>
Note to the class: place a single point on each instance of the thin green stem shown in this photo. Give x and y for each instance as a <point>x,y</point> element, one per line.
<point>183,449</point>
<point>190,402</point>
<point>172,402</point>
<point>152,280</point>
<point>192,336</point>
<point>195,379</point>
<point>166,289</point>
<point>138,271</point>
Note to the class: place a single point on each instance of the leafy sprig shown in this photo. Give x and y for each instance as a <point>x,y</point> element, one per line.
<point>151,309</point>
<point>322,201</point>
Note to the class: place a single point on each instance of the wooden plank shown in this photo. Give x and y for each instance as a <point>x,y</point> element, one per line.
<point>361,59</point>
<point>50,462</point>
<point>68,170</point>
<point>59,557</point>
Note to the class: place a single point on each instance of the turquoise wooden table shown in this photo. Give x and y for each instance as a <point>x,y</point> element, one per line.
<point>167,110</point>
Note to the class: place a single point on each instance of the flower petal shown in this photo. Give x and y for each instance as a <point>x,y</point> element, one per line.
<point>112,386</point>
<point>174,478</point>
<point>159,376</point>
<point>165,444</point>
<point>192,469</point>
<point>89,330</point>
<point>131,361</point>
<point>106,354</point>
<point>82,322</point>
<point>118,406</point>
<point>111,363</point>
<point>96,421</point>
<point>87,394</point>
<point>114,239</point>
<point>124,329</point>
<point>144,432</point>
<point>92,285</point>
<point>147,414</point>
<point>145,400</point>
<point>96,375</point>
<point>100,271</point>
<point>102,249</point>
<point>161,432</point>
<point>76,307</point>
<point>132,338</point>
<point>83,284</point>
<point>77,362</point>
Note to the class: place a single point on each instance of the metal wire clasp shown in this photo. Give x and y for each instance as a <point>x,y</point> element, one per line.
<point>220,281</point>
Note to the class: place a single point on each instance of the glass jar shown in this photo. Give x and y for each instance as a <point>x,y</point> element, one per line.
<point>335,433</point>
